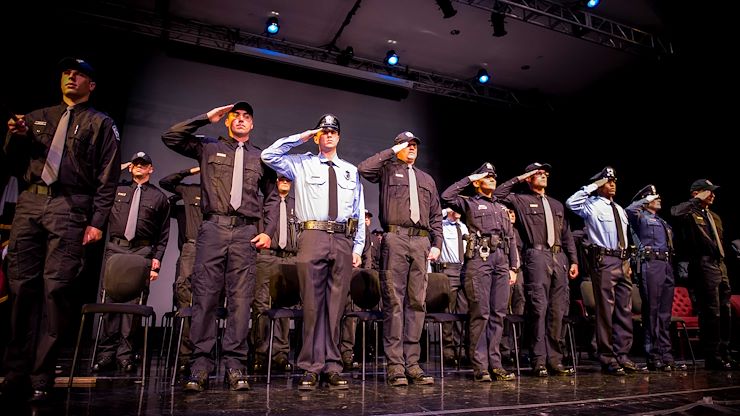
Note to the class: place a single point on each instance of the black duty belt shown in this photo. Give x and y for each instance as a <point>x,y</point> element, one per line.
<point>542,247</point>
<point>410,231</point>
<point>650,254</point>
<point>277,253</point>
<point>622,254</point>
<point>328,226</point>
<point>131,244</point>
<point>230,220</point>
<point>43,190</point>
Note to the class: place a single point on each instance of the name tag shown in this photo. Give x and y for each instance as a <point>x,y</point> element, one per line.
<point>399,175</point>
<point>221,154</point>
<point>122,194</point>
<point>39,123</point>
<point>480,207</point>
<point>534,205</point>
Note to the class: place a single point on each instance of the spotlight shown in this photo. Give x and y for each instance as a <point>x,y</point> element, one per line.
<point>345,57</point>
<point>272,25</point>
<point>592,3</point>
<point>482,76</point>
<point>391,58</point>
<point>446,7</point>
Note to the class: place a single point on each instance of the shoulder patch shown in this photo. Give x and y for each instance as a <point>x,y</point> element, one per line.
<point>115,132</point>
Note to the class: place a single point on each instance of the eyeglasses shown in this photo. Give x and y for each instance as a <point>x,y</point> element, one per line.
<point>543,173</point>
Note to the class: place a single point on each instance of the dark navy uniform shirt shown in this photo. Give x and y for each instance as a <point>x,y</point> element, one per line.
<point>153,221</point>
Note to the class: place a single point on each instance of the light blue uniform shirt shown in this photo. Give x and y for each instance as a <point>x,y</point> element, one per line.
<point>310,176</point>
<point>449,248</point>
<point>597,213</point>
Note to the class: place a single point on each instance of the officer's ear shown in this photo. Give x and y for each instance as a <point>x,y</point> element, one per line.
<point>92,86</point>
<point>316,137</point>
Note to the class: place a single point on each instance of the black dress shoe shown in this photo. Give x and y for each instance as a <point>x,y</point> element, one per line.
<point>127,366</point>
<point>658,365</point>
<point>281,363</point>
<point>336,381</point>
<point>420,379</point>
<point>561,370</point>
<point>674,366</point>
<point>451,361</point>
<point>540,371</point>
<point>39,396</point>
<point>103,364</point>
<point>308,381</point>
<point>631,367</point>
<point>481,376</point>
<point>236,379</point>
<point>717,364</point>
<point>613,369</point>
<point>197,382</point>
<point>259,366</point>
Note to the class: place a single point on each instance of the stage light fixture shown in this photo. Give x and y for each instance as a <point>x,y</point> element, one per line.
<point>272,26</point>
<point>345,57</point>
<point>446,7</point>
<point>497,22</point>
<point>482,76</point>
<point>592,3</point>
<point>391,58</point>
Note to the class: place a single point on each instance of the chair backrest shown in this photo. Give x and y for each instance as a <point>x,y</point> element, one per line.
<point>126,276</point>
<point>636,300</point>
<point>682,302</point>
<point>587,294</point>
<point>284,289</point>
<point>365,288</point>
<point>438,292</point>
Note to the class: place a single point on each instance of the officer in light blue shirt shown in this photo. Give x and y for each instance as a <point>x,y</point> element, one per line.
<point>329,202</point>
<point>606,226</point>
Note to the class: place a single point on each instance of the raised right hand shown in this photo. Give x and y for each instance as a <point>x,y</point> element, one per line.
<point>217,113</point>
<point>601,182</point>
<point>477,176</point>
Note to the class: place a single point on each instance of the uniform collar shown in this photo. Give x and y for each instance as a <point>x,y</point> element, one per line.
<point>232,143</point>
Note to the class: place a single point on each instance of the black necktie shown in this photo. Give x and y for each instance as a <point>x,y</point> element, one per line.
<point>460,248</point>
<point>618,222</point>
<point>332,192</point>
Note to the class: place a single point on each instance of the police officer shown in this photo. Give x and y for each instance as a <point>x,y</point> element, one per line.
<point>189,218</point>
<point>232,176</point>
<point>654,239</point>
<point>450,263</point>
<point>517,300</point>
<point>606,226</point>
<point>549,259</point>
<point>73,169</point>
<point>409,214</point>
<point>283,250</point>
<point>329,204</point>
<point>491,266</point>
<point>139,224</point>
<point>702,244</point>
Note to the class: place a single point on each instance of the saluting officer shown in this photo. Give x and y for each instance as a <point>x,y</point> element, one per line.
<point>491,266</point>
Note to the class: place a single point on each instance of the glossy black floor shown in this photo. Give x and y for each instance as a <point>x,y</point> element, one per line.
<point>693,392</point>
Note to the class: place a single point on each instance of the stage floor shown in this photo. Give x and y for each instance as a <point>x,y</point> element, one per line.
<point>693,392</point>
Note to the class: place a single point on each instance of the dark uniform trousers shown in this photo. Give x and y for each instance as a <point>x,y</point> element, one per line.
<point>184,294</point>
<point>712,288</point>
<point>656,288</point>
<point>546,288</point>
<point>44,257</point>
<point>224,258</point>
<point>403,279</point>
<point>452,332</point>
<point>118,333</point>
<point>487,288</point>
<point>517,303</point>
<point>613,293</point>
<point>324,266</point>
<point>268,266</point>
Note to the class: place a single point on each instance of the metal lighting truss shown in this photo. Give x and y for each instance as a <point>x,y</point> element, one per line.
<point>574,21</point>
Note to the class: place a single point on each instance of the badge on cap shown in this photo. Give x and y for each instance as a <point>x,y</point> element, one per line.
<point>609,172</point>
<point>329,120</point>
<point>115,132</point>
<point>140,154</point>
<point>409,134</point>
<point>489,166</point>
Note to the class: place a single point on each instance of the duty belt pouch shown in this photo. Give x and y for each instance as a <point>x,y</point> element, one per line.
<point>351,227</point>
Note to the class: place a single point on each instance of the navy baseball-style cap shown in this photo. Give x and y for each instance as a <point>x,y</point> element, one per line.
<point>78,64</point>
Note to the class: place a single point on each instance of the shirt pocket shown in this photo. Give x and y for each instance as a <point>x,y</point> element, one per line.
<point>122,201</point>
<point>485,220</point>
<point>316,185</point>
<point>398,186</point>
<point>346,187</point>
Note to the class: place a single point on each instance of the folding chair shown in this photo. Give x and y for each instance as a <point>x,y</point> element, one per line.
<point>437,302</point>
<point>365,293</point>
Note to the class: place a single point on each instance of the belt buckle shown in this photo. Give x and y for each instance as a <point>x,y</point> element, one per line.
<point>330,227</point>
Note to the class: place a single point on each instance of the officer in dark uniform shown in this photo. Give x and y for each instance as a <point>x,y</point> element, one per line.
<point>654,239</point>
<point>283,250</point>
<point>74,165</point>
<point>549,259</point>
<point>139,224</point>
<point>606,226</point>
<point>701,241</point>
<point>349,325</point>
<point>517,301</point>
<point>329,203</point>
<point>189,217</point>
<point>232,176</point>
<point>409,214</point>
<point>491,266</point>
